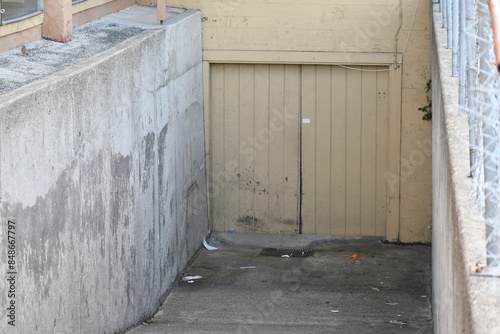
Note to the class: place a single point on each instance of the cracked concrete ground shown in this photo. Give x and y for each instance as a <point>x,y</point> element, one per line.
<point>388,291</point>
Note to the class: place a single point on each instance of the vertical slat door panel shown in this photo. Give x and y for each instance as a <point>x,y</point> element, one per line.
<point>265,119</point>
<point>274,140</point>
<point>344,150</point>
<point>246,173</point>
<point>216,189</point>
<point>308,150</point>
<point>258,121</point>
<point>291,152</point>
<point>322,149</point>
<point>382,151</point>
<point>262,94</point>
<point>353,153</point>
<point>338,151</point>
<point>231,140</point>
<point>368,151</point>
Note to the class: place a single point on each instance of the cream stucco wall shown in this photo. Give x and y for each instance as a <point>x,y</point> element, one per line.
<point>348,32</point>
<point>416,139</point>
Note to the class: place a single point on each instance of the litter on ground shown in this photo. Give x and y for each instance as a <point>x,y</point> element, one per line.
<point>207,246</point>
<point>191,278</point>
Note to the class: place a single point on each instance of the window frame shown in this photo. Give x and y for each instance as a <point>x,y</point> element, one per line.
<point>39,4</point>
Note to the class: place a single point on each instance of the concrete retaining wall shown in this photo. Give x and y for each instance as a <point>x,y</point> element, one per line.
<point>103,172</point>
<point>462,303</point>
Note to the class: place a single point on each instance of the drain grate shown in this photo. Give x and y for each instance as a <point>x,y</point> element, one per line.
<point>279,252</point>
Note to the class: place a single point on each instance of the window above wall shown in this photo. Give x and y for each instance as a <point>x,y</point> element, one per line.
<point>16,10</point>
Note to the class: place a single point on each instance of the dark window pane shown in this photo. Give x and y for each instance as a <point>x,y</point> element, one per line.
<point>18,8</point>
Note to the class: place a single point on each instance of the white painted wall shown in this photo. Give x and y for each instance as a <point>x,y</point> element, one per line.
<point>102,169</point>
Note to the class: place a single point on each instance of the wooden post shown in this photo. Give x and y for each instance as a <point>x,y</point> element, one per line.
<point>161,10</point>
<point>58,20</point>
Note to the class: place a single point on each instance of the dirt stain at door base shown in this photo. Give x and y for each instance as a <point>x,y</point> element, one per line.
<point>251,223</point>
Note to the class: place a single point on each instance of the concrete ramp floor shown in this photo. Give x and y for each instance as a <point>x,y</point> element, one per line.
<point>386,289</point>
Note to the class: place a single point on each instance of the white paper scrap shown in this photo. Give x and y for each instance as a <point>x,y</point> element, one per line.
<point>190,278</point>
<point>249,267</point>
<point>207,246</point>
<point>306,120</point>
<point>285,255</point>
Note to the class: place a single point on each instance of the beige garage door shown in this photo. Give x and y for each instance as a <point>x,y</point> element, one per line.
<point>277,131</point>
<point>344,150</point>
<point>254,148</point>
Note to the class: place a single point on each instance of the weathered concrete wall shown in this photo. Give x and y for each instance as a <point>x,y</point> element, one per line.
<point>461,303</point>
<point>102,170</point>
<point>363,30</point>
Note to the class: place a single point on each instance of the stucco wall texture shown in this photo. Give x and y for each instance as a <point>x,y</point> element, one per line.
<point>359,28</point>
<point>102,170</point>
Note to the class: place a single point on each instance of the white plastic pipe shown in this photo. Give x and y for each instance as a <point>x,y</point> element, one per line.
<point>462,49</point>
<point>449,23</point>
<point>443,8</point>
<point>454,29</point>
<point>470,35</point>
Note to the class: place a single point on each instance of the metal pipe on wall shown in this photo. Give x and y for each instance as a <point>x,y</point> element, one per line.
<point>443,7</point>
<point>462,48</point>
<point>471,66</point>
<point>449,23</point>
<point>454,30</point>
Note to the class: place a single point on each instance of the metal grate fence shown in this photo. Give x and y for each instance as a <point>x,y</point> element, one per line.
<point>470,36</point>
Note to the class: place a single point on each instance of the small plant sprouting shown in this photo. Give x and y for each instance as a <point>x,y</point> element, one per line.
<point>427,109</point>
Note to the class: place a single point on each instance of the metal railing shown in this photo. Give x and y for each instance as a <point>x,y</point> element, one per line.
<point>470,36</point>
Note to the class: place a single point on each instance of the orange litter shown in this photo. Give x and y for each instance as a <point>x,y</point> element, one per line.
<point>354,256</point>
